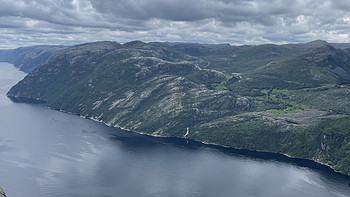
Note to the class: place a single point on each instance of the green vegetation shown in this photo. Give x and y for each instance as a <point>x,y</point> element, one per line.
<point>331,98</point>
<point>223,84</point>
<point>283,111</point>
<point>290,99</point>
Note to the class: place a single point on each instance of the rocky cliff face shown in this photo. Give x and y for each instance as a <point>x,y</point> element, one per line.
<point>2,193</point>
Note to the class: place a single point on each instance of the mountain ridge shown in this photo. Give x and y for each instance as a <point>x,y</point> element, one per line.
<point>28,58</point>
<point>188,90</point>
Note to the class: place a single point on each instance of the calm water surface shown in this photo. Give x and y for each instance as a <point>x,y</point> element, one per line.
<point>48,153</point>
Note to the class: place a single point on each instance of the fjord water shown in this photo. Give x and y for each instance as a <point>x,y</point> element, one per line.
<point>49,153</point>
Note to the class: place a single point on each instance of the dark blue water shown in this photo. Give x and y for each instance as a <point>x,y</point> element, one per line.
<point>48,153</point>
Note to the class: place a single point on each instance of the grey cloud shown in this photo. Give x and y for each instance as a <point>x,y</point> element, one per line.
<point>341,4</point>
<point>192,10</point>
<point>180,10</point>
<point>26,22</point>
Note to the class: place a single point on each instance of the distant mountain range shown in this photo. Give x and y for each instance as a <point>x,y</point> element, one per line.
<point>291,99</point>
<point>28,58</point>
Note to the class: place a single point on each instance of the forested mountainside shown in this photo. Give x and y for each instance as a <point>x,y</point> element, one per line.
<point>291,99</point>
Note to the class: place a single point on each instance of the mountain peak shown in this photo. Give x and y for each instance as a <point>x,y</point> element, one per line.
<point>135,43</point>
<point>317,43</point>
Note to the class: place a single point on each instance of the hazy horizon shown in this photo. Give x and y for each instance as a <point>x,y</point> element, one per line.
<point>238,22</point>
<point>174,42</point>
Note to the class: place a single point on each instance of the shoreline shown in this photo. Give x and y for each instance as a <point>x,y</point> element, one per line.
<point>234,149</point>
<point>219,146</point>
<point>279,154</point>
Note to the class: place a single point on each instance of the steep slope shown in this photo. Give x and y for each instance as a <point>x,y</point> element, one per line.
<point>131,88</point>
<point>162,89</point>
<point>334,60</point>
<point>28,58</point>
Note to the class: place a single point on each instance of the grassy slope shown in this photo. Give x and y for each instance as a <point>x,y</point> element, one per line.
<point>291,87</point>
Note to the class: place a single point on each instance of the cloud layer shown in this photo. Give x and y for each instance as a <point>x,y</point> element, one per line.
<point>29,22</point>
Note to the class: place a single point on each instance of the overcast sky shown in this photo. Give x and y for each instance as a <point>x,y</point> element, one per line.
<point>67,22</point>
